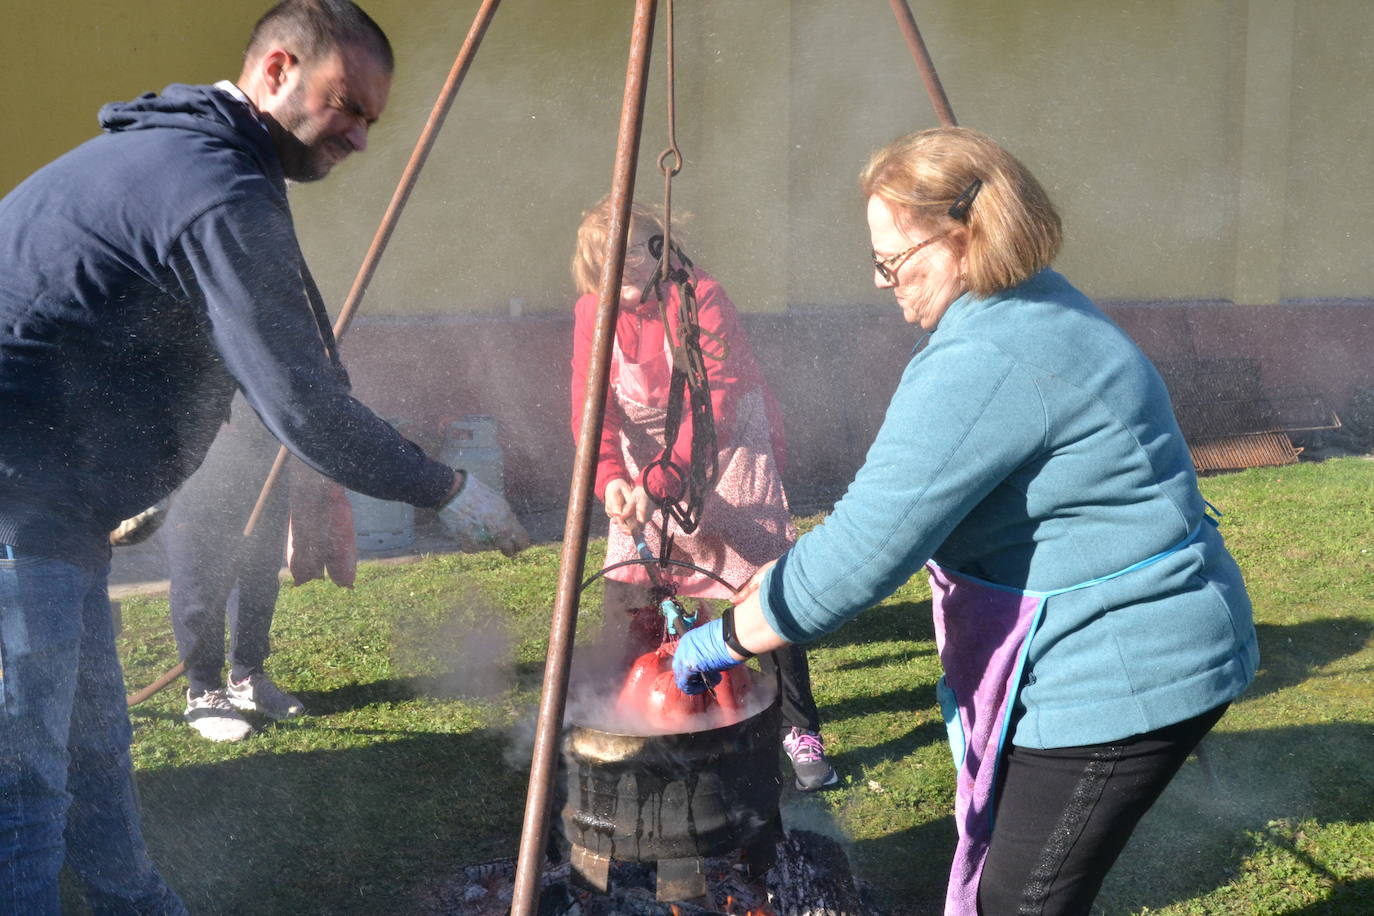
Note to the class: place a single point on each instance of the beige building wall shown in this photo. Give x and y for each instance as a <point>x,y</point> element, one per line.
<point>1198,151</point>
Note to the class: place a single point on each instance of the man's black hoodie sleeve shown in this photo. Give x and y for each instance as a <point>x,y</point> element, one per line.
<point>240,258</point>
<point>144,276</point>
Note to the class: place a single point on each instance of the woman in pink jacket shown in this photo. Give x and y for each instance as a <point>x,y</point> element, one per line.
<point>745,521</point>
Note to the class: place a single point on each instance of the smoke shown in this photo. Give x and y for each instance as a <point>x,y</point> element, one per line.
<point>470,648</point>
<point>588,688</point>
<point>807,812</point>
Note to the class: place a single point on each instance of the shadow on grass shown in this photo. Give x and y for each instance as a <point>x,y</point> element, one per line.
<point>908,869</point>
<point>458,683</point>
<point>332,831</point>
<point>853,762</point>
<point>1354,897</point>
<point>358,696</point>
<point>1197,837</point>
<point>898,621</point>
<point>1200,833</point>
<point>879,661</point>
<point>362,830</point>
<point>1290,653</point>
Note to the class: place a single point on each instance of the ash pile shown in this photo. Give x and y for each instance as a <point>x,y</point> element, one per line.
<point>810,877</point>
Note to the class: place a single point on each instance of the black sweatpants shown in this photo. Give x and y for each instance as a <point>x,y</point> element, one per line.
<point>1063,816</point>
<point>213,575</point>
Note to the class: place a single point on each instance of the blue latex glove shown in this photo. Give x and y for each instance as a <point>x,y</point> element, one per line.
<point>700,654</point>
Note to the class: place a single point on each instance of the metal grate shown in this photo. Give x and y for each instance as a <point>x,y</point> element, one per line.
<point>1300,410</point>
<point>1234,453</point>
<point>1230,422</point>
<point>1209,419</point>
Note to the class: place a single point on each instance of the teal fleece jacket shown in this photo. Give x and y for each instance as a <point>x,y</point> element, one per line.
<point>1031,444</point>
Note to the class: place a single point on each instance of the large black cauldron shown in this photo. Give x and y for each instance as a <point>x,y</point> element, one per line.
<point>671,799</point>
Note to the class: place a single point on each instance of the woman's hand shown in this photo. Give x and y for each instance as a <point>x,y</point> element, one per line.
<point>699,657</point>
<point>627,506</point>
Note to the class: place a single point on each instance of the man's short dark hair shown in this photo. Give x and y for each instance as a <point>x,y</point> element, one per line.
<point>312,29</point>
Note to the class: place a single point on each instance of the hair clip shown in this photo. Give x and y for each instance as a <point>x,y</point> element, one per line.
<point>959,209</point>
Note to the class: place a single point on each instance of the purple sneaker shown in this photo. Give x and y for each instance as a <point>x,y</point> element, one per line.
<point>807,753</point>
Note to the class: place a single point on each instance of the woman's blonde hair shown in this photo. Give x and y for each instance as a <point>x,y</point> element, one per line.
<point>593,238</point>
<point>1013,229</point>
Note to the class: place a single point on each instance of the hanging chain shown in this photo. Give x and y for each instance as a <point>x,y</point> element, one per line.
<point>686,489</point>
<point>672,150</point>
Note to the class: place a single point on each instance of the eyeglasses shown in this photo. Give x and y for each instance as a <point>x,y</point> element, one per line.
<point>887,267</point>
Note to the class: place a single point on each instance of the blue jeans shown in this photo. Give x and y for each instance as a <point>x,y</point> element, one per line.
<point>66,779</point>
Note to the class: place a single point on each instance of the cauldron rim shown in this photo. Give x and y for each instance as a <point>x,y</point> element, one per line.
<point>617,747</point>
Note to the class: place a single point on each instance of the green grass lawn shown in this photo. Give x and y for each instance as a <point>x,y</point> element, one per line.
<point>421,682</point>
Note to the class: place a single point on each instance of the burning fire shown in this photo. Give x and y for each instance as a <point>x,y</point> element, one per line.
<point>730,908</point>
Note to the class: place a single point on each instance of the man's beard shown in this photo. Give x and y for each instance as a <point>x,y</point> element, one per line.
<point>302,158</point>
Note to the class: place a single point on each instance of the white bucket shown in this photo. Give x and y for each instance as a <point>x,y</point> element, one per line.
<point>382,524</point>
<point>470,443</point>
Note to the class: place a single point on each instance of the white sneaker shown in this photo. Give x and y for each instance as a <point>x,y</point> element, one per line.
<point>257,693</point>
<point>215,717</point>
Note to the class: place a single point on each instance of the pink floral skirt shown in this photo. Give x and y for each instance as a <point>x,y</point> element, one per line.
<point>746,520</point>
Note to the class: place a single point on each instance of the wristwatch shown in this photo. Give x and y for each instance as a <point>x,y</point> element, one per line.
<point>727,633</point>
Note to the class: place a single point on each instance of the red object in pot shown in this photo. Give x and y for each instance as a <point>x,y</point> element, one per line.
<point>639,683</point>
<point>646,630</point>
<point>669,709</point>
<point>651,695</point>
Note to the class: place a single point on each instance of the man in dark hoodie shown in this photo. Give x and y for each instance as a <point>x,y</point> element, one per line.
<point>145,277</point>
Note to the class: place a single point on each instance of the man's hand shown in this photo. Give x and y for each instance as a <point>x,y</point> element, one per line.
<point>142,526</point>
<point>479,519</point>
<point>699,656</point>
<point>627,506</point>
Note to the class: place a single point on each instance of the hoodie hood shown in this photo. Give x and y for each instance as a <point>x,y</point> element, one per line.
<point>199,108</point>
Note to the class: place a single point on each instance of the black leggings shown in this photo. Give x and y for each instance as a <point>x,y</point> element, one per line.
<point>1064,815</point>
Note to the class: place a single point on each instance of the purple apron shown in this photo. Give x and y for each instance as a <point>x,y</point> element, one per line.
<point>983,632</point>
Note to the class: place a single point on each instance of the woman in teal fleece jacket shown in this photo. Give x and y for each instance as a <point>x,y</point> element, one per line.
<point>1090,621</point>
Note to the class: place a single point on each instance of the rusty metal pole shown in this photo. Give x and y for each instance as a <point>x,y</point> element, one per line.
<point>417,161</point>
<point>534,834</point>
<point>924,65</point>
<point>390,218</point>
